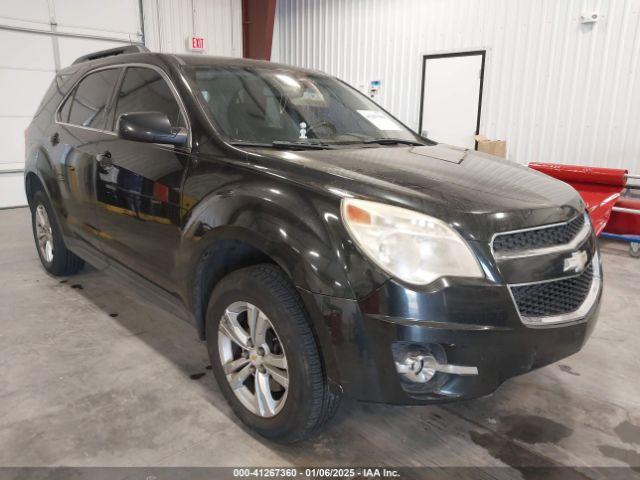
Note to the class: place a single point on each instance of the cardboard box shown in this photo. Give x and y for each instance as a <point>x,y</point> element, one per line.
<point>494,147</point>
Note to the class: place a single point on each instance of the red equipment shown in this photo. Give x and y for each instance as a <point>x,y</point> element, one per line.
<point>624,217</point>
<point>601,189</point>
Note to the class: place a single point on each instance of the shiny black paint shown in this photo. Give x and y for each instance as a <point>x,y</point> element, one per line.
<point>161,217</point>
<point>139,206</point>
<point>76,153</point>
<point>150,127</point>
<point>475,324</point>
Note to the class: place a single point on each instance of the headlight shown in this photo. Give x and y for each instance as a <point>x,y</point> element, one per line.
<point>408,245</point>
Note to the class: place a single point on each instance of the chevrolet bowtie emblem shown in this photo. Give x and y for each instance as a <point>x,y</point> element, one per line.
<point>576,262</point>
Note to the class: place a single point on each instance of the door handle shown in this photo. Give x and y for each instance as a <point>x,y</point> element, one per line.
<point>104,160</point>
<point>55,139</point>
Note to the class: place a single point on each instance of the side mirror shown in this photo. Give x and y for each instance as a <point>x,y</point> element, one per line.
<point>150,127</point>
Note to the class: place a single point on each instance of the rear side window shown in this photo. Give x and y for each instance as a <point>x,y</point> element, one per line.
<point>66,108</point>
<point>144,90</point>
<point>88,104</point>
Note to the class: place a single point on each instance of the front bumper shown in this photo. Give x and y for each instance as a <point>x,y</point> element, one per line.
<point>473,324</point>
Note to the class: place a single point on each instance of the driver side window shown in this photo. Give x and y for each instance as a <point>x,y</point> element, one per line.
<point>144,90</point>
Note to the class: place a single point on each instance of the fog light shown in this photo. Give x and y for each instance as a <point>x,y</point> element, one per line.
<point>417,368</point>
<point>421,368</point>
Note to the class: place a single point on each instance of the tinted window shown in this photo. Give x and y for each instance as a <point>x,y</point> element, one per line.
<point>268,104</point>
<point>64,111</point>
<point>89,104</point>
<point>144,90</point>
<point>56,91</point>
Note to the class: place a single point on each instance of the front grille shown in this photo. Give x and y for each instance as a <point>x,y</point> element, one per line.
<point>539,238</point>
<point>553,298</point>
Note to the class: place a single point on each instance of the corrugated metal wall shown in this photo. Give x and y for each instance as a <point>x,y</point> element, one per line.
<point>555,90</point>
<point>38,37</point>
<point>169,23</point>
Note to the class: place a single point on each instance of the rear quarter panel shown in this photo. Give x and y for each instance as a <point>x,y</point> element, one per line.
<point>38,160</point>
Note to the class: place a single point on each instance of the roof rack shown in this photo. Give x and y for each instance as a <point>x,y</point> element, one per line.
<point>111,52</point>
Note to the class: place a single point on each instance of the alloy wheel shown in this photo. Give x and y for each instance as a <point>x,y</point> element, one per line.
<point>44,234</point>
<point>253,359</point>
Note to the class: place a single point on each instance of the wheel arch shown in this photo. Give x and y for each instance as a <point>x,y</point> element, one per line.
<point>288,228</point>
<point>40,174</point>
<point>229,253</point>
<point>230,248</point>
<point>221,257</point>
<point>251,222</point>
<point>32,184</point>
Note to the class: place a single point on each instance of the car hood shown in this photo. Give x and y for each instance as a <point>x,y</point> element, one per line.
<point>479,194</point>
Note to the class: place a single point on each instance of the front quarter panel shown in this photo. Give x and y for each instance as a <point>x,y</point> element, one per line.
<point>226,201</point>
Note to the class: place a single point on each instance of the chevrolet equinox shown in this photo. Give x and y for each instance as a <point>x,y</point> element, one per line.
<point>319,246</point>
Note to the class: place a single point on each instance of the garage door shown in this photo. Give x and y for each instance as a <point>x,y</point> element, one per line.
<point>36,38</point>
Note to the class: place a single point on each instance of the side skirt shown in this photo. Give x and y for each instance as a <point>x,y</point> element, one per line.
<point>132,281</point>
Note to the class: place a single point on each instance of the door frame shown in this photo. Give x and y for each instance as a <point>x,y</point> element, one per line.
<point>469,53</point>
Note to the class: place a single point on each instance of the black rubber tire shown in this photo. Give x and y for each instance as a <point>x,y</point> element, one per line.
<point>64,261</point>
<point>309,405</point>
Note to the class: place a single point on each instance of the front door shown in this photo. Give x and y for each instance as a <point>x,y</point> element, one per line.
<point>452,97</point>
<point>139,186</point>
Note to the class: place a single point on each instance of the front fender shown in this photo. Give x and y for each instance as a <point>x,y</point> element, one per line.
<point>282,222</point>
<point>289,227</point>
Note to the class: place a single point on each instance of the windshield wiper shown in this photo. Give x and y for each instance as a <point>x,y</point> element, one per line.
<point>286,145</point>
<point>303,145</point>
<point>393,141</point>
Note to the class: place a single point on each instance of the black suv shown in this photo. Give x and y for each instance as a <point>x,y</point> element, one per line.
<point>319,246</point>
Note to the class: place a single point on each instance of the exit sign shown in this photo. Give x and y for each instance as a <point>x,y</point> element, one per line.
<point>196,44</point>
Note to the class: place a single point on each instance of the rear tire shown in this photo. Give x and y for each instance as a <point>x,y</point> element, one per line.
<point>308,404</point>
<point>54,255</point>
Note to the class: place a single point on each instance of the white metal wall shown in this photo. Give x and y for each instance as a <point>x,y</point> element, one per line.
<point>555,90</point>
<point>36,38</point>
<point>168,24</point>
<point>39,36</point>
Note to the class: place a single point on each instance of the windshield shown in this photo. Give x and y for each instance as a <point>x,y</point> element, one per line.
<point>256,105</point>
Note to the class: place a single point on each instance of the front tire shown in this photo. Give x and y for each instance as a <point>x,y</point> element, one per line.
<point>54,255</point>
<point>264,355</point>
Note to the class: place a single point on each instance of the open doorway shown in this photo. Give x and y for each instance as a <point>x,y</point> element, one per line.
<point>451,99</point>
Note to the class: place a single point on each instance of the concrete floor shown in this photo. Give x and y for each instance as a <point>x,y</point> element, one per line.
<point>91,375</point>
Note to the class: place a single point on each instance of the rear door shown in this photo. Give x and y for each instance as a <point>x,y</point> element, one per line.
<point>75,140</point>
<point>139,192</point>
